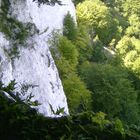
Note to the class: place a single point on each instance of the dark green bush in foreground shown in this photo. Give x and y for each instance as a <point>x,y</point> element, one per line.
<point>20,122</point>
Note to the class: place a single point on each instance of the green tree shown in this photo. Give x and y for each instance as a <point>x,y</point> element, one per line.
<point>129,7</point>
<point>67,50</point>
<point>129,50</point>
<point>69,27</point>
<point>98,17</point>
<point>66,58</point>
<point>134,26</point>
<point>83,44</point>
<point>79,98</point>
<point>98,51</point>
<point>113,92</point>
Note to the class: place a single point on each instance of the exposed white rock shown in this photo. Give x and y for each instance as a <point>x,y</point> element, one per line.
<point>5,62</point>
<point>44,15</point>
<point>35,66</point>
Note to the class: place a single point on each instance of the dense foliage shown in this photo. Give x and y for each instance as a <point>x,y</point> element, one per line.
<point>107,63</point>
<point>112,72</point>
<point>113,92</point>
<point>99,64</point>
<point>66,58</point>
<point>19,121</point>
<point>69,29</point>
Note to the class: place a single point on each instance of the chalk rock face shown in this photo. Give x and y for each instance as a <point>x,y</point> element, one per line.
<point>34,67</point>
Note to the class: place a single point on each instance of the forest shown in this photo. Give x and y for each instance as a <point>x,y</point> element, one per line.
<point>101,55</point>
<point>98,59</point>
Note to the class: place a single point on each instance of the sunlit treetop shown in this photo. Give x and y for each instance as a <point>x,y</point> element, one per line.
<point>129,50</point>
<point>98,17</point>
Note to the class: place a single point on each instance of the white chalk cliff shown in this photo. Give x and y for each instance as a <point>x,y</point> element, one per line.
<point>35,65</point>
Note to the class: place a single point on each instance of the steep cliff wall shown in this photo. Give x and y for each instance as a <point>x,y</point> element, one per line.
<point>25,55</point>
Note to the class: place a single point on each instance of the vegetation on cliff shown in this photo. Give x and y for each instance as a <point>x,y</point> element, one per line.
<point>99,64</point>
